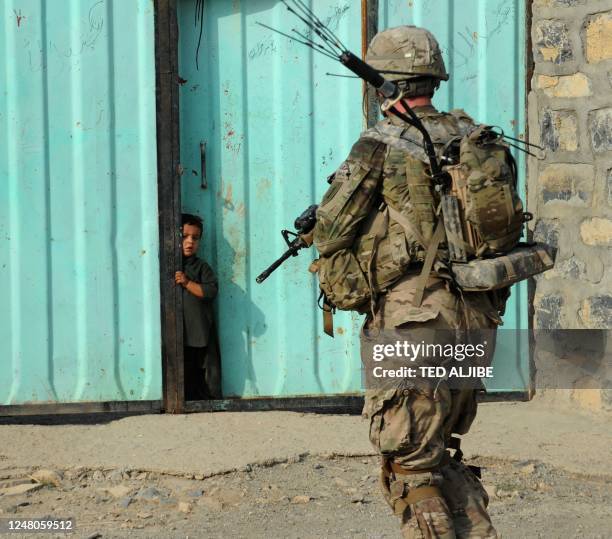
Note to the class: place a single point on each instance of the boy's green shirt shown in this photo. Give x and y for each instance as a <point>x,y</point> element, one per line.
<point>198,312</point>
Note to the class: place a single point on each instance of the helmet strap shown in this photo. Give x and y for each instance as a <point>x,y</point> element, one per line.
<point>419,86</point>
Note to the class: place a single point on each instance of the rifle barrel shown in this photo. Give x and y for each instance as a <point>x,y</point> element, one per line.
<point>295,247</point>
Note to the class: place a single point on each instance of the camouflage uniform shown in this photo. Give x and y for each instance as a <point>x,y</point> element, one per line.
<point>410,424</point>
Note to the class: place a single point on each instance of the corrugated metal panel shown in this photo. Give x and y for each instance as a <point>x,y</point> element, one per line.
<point>483,42</point>
<point>275,127</point>
<point>79,274</point>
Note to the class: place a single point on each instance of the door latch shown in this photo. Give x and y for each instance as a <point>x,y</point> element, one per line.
<point>203,178</point>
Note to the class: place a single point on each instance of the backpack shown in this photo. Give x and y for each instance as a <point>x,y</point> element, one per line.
<point>340,216</point>
<point>484,183</point>
<point>366,245</point>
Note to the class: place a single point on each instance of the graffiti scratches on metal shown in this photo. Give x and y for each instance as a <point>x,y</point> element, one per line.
<point>282,127</point>
<point>81,298</point>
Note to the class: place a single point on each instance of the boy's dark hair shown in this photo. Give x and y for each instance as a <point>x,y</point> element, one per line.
<point>194,220</point>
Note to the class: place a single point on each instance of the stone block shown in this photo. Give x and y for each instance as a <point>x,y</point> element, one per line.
<point>574,268</point>
<point>559,129</point>
<point>600,127</point>
<point>570,268</point>
<point>19,490</point>
<point>558,3</point>
<point>596,231</point>
<point>598,37</point>
<point>609,180</point>
<point>596,312</point>
<point>606,396</point>
<point>547,231</point>
<point>595,268</point>
<point>552,42</point>
<point>589,399</point>
<point>576,85</point>
<point>572,184</point>
<point>548,311</point>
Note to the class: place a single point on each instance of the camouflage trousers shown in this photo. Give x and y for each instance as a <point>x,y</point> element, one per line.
<point>411,423</point>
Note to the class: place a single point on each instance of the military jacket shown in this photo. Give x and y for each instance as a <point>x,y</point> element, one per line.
<point>381,207</point>
<point>405,184</point>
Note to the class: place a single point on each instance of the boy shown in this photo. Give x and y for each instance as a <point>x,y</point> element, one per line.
<point>202,365</point>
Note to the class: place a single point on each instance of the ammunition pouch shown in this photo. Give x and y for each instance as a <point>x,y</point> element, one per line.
<point>382,250</point>
<point>342,280</point>
<point>379,257</point>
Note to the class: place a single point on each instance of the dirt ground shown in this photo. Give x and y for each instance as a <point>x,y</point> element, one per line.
<point>290,475</point>
<point>310,497</point>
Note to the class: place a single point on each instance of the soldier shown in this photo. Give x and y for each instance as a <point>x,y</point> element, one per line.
<point>382,231</point>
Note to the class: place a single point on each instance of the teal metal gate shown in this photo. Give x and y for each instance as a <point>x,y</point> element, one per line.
<point>484,49</point>
<point>79,268</point>
<point>262,126</point>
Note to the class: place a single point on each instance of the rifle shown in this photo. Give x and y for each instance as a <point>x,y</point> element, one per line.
<point>302,238</point>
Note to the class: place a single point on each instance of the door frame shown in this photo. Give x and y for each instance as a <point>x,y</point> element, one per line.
<point>169,200</point>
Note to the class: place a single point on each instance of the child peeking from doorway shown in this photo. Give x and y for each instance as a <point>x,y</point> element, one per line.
<point>201,353</point>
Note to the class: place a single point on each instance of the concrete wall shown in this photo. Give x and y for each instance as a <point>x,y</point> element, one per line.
<point>570,191</point>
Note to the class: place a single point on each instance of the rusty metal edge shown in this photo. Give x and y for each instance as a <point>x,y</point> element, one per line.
<point>340,404</point>
<point>505,396</point>
<point>369,28</point>
<point>364,47</point>
<point>80,408</point>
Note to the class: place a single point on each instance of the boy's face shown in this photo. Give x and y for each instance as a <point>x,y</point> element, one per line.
<point>191,239</point>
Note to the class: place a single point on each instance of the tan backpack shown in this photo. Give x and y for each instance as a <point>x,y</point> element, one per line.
<point>365,251</point>
<point>484,183</point>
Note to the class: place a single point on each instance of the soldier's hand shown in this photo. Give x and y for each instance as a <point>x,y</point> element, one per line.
<point>181,278</point>
<point>308,237</point>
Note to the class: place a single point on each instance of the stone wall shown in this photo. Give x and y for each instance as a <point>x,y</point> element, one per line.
<point>570,191</point>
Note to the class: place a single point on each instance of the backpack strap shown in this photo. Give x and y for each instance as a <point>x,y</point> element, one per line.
<point>381,224</point>
<point>432,250</point>
<point>328,316</point>
<point>406,224</point>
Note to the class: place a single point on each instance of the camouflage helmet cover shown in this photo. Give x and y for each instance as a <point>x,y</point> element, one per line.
<point>408,50</point>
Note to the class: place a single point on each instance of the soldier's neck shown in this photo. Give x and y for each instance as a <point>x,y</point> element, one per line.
<point>421,101</point>
<point>413,102</point>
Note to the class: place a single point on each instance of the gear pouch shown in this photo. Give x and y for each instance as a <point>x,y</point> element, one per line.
<point>342,281</point>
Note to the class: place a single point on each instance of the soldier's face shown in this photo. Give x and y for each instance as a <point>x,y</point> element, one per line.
<point>191,239</point>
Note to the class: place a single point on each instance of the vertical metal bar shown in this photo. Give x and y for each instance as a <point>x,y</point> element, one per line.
<point>451,54</point>
<point>364,50</point>
<point>169,194</point>
<point>203,177</point>
<point>369,28</point>
<point>531,283</point>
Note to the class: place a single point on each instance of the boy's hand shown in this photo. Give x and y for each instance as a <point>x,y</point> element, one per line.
<point>181,278</point>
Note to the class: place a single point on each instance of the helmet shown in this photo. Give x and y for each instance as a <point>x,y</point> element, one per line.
<point>408,53</point>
